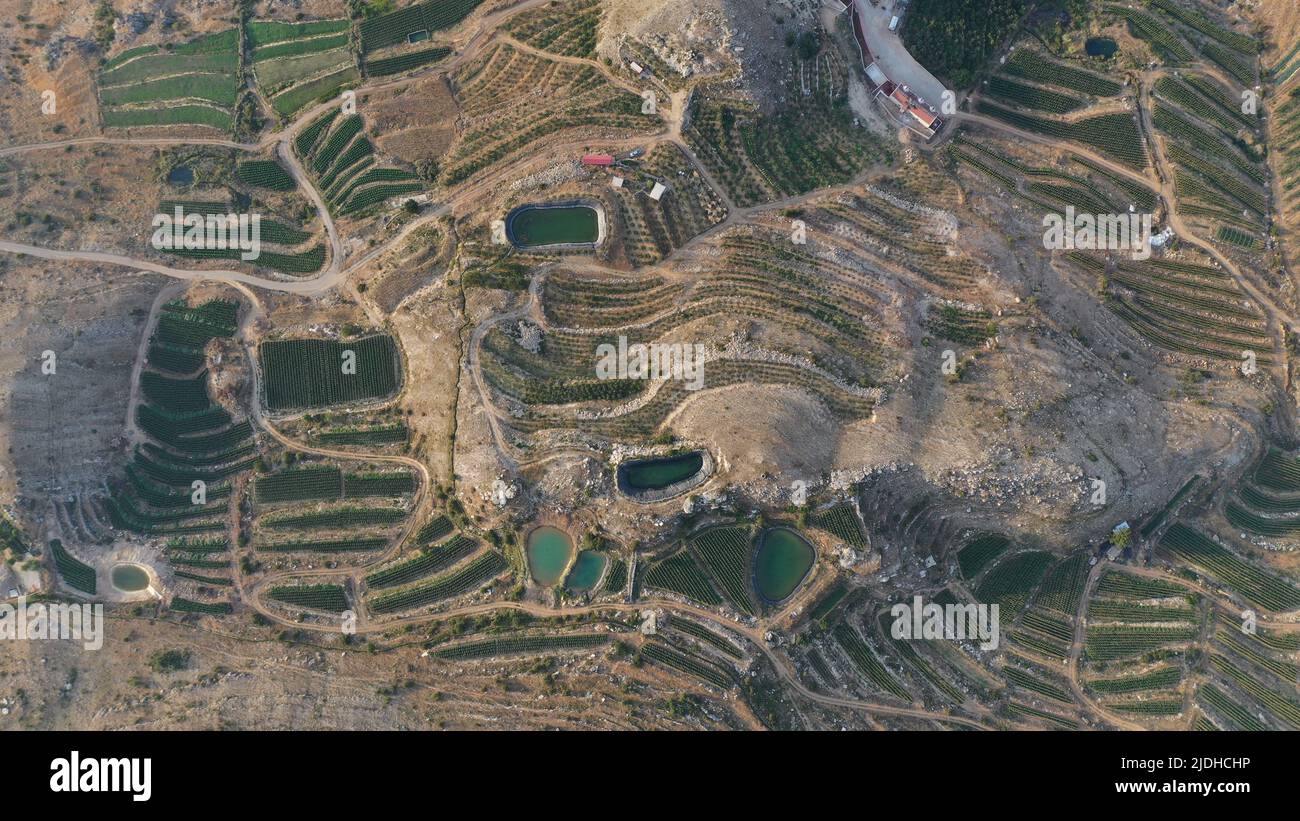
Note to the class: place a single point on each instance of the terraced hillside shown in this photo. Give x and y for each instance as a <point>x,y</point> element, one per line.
<point>510,100</point>
<point>194,83</point>
<point>299,63</point>
<point>351,178</point>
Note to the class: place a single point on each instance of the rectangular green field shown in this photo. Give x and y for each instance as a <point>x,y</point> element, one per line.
<point>265,32</point>
<point>215,88</point>
<point>313,373</point>
<point>294,48</point>
<point>289,102</point>
<point>173,115</point>
<point>163,65</point>
<point>276,74</point>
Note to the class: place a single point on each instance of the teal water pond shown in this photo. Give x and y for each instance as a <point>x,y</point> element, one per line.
<point>549,549</point>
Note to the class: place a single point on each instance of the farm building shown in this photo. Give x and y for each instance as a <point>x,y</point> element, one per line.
<point>600,160</point>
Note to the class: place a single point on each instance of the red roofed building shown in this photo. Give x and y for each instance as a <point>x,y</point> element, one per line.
<point>604,160</point>
<point>924,117</point>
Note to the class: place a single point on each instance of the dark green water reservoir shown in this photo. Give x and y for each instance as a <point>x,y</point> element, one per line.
<point>534,226</point>
<point>654,474</point>
<point>783,561</point>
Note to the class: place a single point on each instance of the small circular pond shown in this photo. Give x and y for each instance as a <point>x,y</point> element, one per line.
<point>549,549</point>
<point>783,561</point>
<point>654,474</point>
<point>587,570</point>
<point>1100,47</point>
<point>129,578</point>
<point>541,226</point>
<point>180,175</point>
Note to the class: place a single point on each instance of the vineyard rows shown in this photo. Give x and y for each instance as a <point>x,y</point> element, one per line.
<point>471,577</point>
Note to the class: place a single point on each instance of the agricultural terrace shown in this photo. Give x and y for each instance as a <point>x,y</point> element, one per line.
<point>190,442</point>
<point>337,150</point>
<point>1134,649</point>
<point>1035,83</point>
<point>759,276</point>
<point>1012,581</point>
<point>1220,175</point>
<point>1267,502</point>
<point>569,29</point>
<point>1112,135</point>
<point>328,483</point>
<point>659,652</point>
<point>285,247</point>
<point>1184,307</point>
<point>329,598</point>
<point>979,552</point>
<point>1223,566</point>
<point>1188,306</point>
<point>426,562</point>
<point>1046,631</point>
<point>297,64</point>
<point>511,100</point>
<point>316,373</point>
<point>1284,105</point>
<point>653,229</point>
<point>375,429</point>
<point>811,142</point>
<point>413,24</point>
<point>466,577</point>
<point>322,509</point>
<point>74,572</point>
<point>842,522</point>
<point>192,84</point>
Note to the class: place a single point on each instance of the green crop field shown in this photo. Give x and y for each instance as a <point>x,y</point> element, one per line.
<point>468,578</point>
<point>1265,589</point>
<point>1158,679</point>
<point>398,26</point>
<point>290,102</point>
<point>726,551</point>
<point>184,605</point>
<point>979,552</point>
<point>315,373</point>
<point>842,522</point>
<point>405,62</point>
<point>195,83</point>
<point>430,560</point>
<point>659,652</point>
<point>1110,643</point>
<point>1114,135</point>
<point>866,662</point>
<point>327,597</point>
<point>1012,580</point>
<point>680,574</point>
<point>299,484</point>
<point>75,572</point>
<point>1032,65</point>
